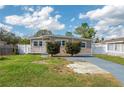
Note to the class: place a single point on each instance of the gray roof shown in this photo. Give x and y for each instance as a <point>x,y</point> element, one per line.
<point>58,36</point>
<point>115,39</point>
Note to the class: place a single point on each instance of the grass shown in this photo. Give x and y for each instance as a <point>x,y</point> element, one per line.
<point>115,59</point>
<point>19,71</point>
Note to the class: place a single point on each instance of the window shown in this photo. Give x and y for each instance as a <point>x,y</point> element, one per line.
<point>63,43</point>
<point>35,43</point>
<point>119,47</point>
<point>111,47</point>
<point>83,45</point>
<point>40,43</point>
<point>115,47</point>
<point>59,42</point>
<point>122,47</point>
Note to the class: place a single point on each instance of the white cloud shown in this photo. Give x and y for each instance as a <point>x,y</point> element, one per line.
<point>39,19</point>
<point>81,16</point>
<point>6,27</point>
<point>29,9</point>
<point>2,6</point>
<point>72,19</point>
<point>109,20</point>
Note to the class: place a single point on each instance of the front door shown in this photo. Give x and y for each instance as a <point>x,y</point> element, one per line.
<point>43,49</point>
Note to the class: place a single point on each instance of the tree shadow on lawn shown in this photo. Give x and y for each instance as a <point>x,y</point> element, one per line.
<point>3,58</point>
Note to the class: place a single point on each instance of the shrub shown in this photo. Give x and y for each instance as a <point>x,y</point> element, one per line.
<point>72,47</point>
<point>53,48</point>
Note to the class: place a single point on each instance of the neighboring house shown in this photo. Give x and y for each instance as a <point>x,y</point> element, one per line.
<point>115,46</point>
<point>38,44</point>
<point>111,47</point>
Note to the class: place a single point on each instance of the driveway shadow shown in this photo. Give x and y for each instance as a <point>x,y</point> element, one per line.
<point>74,56</point>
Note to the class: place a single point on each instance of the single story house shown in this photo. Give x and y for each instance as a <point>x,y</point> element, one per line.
<point>115,46</point>
<point>38,44</point>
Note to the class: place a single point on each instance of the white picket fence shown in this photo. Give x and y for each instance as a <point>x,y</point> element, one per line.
<point>24,49</point>
<point>99,48</point>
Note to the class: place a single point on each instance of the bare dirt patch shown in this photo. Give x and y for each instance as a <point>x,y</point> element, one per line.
<point>86,68</point>
<point>40,62</point>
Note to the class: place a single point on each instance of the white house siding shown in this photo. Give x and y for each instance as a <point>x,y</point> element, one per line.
<point>42,49</point>
<point>39,49</point>
<point>116,49</point>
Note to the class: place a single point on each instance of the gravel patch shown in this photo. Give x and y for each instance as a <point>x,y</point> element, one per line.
<point>86,68</point>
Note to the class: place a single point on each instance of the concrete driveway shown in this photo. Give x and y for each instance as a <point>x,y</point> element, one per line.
<point>116,70</point>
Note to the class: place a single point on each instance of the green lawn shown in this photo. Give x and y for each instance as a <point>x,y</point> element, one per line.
<point>115,59</point>
<point>19,70</point>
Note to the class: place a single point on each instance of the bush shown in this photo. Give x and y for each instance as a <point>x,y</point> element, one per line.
<point>53,48</point>
<point>73,48</point>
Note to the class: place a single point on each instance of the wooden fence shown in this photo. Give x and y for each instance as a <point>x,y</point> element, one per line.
<point>6,50</point>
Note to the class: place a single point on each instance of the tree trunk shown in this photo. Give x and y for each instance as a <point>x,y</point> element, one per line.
<point>51,55</point>
<point>14,49</point>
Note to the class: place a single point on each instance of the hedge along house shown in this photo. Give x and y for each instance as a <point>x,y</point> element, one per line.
<point>115,46</point>
<point>38,44</point>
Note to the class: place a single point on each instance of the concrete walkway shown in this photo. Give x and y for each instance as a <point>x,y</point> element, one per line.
<point>117,70</point>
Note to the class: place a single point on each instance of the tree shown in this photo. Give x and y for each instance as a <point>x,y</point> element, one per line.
<point>102,39</point>
<point>73,47</point>
<point>9,38</point>
<point>43,32</point>
<point>3,33</point>
<point>85,31</point>
<point>68,34</point>
<point>97,40</point>
<point>24,41</point>
<point>53,47</point>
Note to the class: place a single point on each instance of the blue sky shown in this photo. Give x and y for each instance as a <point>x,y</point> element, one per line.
<point>26,20</point>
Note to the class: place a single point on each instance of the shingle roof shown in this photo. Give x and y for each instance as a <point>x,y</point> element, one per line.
<point>58,36</point>
<point>115,39</point>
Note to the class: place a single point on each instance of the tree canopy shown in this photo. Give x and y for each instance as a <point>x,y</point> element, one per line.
<point>98,40</point>
<point>8,37</point>
<point>85,31</point>
<point>43,32</point>
<point>24,41</point>
<point>68,34</point>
